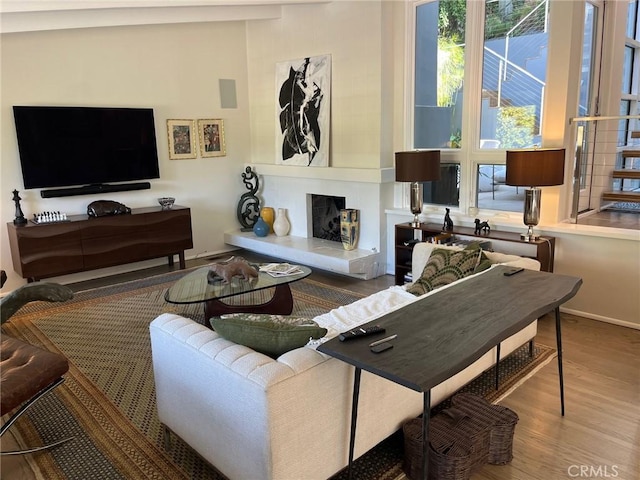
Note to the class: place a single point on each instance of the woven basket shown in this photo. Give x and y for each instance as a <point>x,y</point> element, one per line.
<point>450,455</point>
<point>462,438</point>
<point>501,422</point>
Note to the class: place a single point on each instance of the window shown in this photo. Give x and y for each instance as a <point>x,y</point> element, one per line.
<point>439,74</point>
<point>511,53</point>
<point>479,84</point>
<point>445,191</point>
<point>513,73</point>
<point>492,191</point>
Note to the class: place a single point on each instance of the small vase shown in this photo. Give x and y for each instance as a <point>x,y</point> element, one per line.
<point>261,229</point>
<point>281,225</point>
<point>268,214</point>
<point>349,227</point>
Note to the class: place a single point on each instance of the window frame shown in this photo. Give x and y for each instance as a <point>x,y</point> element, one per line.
<point>469,155</point>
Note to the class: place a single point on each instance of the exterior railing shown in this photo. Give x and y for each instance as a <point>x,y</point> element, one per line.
<point>599,145</point>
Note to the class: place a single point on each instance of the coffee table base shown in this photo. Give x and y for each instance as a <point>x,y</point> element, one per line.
<point>280,304</point>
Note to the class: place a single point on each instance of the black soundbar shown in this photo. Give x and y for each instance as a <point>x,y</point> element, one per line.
<point>91,189</point>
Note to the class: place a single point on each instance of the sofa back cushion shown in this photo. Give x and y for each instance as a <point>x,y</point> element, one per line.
<point>422,251</point>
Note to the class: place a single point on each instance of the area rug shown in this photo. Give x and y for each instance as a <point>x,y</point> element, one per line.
<point>108,399</point>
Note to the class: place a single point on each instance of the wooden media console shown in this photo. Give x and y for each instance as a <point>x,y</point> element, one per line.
<point>84,243</point>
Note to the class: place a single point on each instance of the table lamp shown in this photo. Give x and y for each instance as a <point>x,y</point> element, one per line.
<point>533,168</point>
<point>416,167</point>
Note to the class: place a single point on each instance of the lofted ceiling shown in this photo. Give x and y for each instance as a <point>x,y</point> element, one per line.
<point>38,15</point>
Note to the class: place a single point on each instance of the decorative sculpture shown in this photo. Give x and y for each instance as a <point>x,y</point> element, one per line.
<point>19,220</point>
<point>481,227</point>
<point>249,205</point>
<point>31,292</point>
<point>103,208</point>
<point>238,267</point>
<point>448,223</point>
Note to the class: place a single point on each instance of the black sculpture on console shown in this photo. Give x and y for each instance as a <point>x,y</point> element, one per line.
<point>249,204</point>
<point>448,223</point>
<point>481,227</point>
<point>103,208</point>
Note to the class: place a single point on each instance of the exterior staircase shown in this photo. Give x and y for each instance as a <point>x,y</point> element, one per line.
<point>629,171</point>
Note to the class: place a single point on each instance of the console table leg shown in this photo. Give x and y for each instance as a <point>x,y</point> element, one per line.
<point>354,417</point>
<point>426,417</point>
<point>559,346</point>
<point>497,366</point>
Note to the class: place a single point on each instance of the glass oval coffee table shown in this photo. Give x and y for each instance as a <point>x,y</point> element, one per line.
<point>196,287</point>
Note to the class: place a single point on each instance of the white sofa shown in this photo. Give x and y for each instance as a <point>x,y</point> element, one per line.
<point>256,418</point>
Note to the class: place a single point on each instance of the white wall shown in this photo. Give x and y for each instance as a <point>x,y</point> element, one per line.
<point>172,68</point>
<point>351,33</point>
<point>357,36</point>
<point>176,69</point>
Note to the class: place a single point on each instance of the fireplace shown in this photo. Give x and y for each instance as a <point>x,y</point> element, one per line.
<point>325,216</point>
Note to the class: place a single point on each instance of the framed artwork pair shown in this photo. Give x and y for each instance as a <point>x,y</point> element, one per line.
<point>183,138</point>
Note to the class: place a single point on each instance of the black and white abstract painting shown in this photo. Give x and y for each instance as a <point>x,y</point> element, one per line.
<point>303,101</point>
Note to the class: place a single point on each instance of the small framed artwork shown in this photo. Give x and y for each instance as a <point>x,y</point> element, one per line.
<point>182,139</point>
<point>212,138</point>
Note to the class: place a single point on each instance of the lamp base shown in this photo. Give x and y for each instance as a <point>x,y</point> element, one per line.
<point>529,236</point>
<point>416,203</point>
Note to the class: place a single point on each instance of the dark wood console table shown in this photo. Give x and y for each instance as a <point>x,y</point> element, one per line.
<point>442,334</point>
<point>84,243</point>
<point>542,249</point>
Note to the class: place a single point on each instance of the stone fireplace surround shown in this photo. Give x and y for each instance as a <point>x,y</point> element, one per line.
<point>292,188</point>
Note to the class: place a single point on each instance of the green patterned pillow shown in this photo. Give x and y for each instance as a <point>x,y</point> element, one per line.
<point>445,267</point>
<point>484,261</point>
<point>272,335</point>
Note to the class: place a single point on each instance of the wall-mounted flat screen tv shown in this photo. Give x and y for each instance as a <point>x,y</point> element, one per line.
<point>67,146</point>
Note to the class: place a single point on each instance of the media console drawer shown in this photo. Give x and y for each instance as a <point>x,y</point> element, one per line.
<point>84,243</point>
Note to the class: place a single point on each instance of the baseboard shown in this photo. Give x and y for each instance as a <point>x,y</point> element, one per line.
<point>601,318</point>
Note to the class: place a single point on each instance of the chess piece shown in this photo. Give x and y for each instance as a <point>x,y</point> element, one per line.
<point>19,220</point>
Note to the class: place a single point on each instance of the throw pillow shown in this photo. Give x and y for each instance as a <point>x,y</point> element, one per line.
<point>272,335</point>
<point>444,267</point>
<point>483,262</point>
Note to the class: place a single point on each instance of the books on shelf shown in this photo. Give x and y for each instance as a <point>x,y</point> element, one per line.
<point>280,269</point>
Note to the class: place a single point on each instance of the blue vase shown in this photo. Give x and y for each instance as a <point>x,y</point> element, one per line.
<point>261,228</point>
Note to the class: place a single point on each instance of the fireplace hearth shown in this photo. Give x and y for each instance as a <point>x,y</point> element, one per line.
<point>325,216</point>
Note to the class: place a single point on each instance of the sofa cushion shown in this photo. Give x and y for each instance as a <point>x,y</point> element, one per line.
<point>272,335</point>
<point>446,266</point>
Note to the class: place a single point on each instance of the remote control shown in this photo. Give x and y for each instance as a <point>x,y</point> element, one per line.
<point>381,347</point>
<point>361,332</point>
<point>513,272</point>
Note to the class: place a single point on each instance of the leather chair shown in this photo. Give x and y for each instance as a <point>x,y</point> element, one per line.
<point>27,373</point>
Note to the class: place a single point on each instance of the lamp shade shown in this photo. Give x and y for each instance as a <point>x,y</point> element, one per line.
<point>540,167</point>
<point>418,166</point>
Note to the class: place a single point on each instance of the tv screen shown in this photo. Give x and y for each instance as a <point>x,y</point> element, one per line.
<point>67,146</point>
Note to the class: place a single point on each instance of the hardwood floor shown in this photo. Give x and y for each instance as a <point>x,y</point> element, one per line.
<point>599,436</point>
<point>613,219</point>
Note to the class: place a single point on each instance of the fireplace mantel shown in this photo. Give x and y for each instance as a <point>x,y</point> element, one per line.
<point>363,175</point>
<point>313,252</point>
